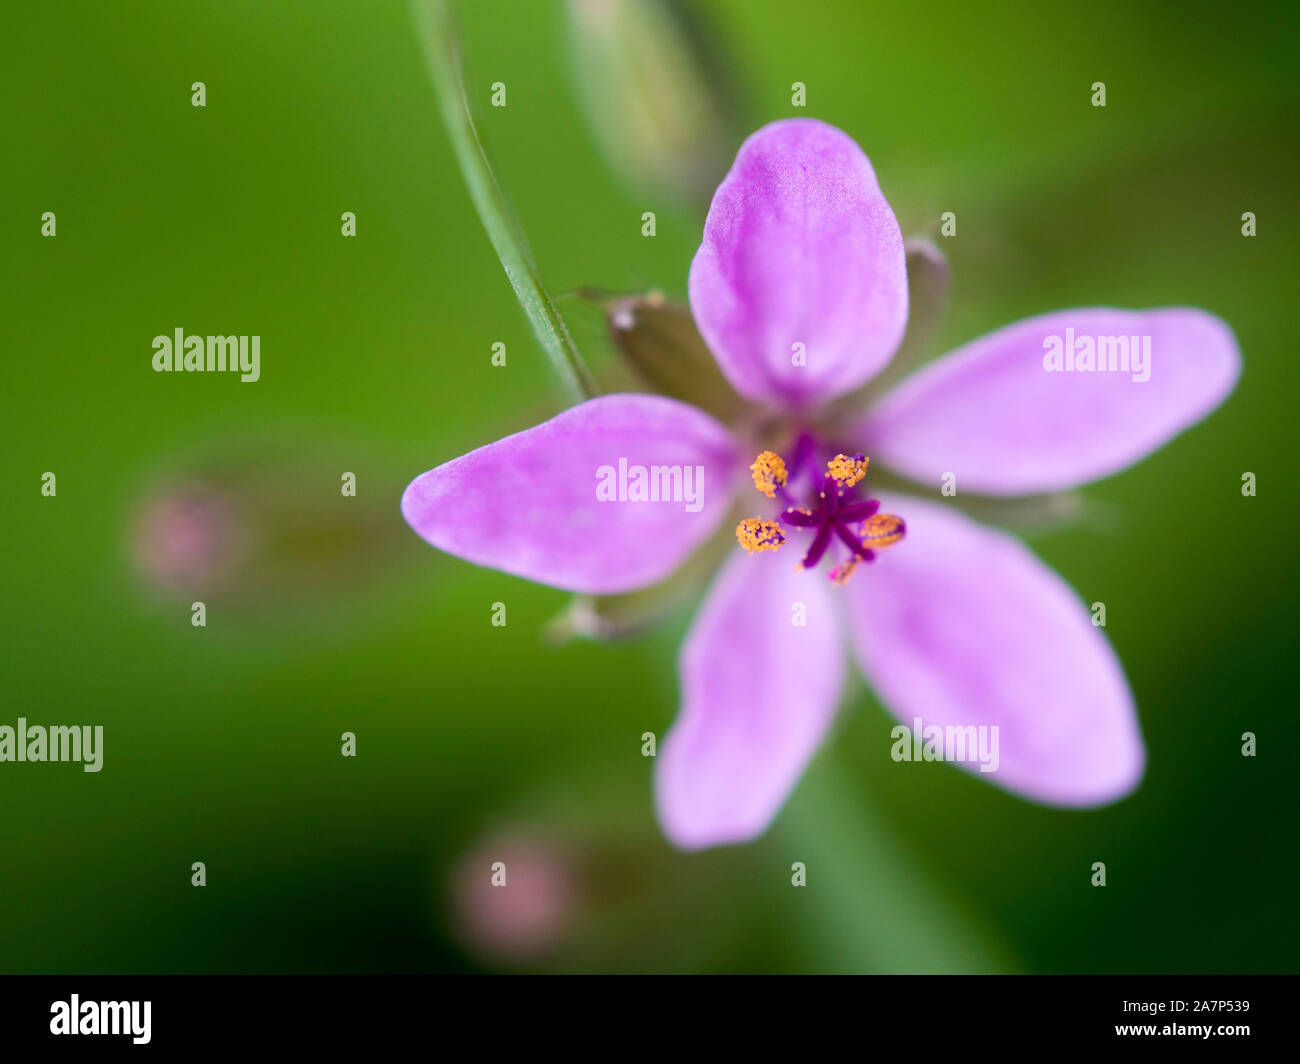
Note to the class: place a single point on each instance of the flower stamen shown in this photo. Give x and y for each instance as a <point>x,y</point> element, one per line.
<point>769,473</point>
<point>836,515</point>
<point>755,534</point>
<point>847,471</point>
<point>880,530</point>
<point>841,573</point>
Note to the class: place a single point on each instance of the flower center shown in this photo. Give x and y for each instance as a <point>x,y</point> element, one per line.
<point>836,515</point>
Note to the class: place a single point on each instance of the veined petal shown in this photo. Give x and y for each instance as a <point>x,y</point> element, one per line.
<point>529,505</point>
<point>993,413</point>
<point>759,690</point>
<point>800,285</point>
<point>963,626</point>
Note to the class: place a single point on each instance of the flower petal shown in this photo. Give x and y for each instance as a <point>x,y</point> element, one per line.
<point>962,625</point>
<point>800,247</point>
<point>528,503</point>
<point>992,414</point>
<point>759,691</point>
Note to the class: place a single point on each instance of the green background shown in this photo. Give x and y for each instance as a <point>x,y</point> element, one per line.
<point>222,743</point>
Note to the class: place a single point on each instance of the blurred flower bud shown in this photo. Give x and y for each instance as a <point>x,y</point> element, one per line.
<point>269,526</point>
<point>646,79</point>
<point>513,897</point>
<point>187,536</point>
<point>577,879</point>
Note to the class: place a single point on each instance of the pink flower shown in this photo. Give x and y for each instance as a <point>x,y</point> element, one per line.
<point>800,290</point>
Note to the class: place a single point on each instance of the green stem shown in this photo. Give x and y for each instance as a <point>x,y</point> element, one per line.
<point>868,901</point>
<point>441,42</point>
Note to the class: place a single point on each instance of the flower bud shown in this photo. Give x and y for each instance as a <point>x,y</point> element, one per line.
<point>269,526</point>
<point>658,339</point>
<point>513,898</point>
<point>643,80</point>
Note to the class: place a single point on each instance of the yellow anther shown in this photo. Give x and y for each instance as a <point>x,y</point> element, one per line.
<point>769,471</point>
<point>841,573</point>
<point>754,534</point>
<point>848,471</point>
<point>880,530</point>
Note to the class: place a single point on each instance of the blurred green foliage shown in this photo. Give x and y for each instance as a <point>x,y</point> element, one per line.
<point>222,744</point>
